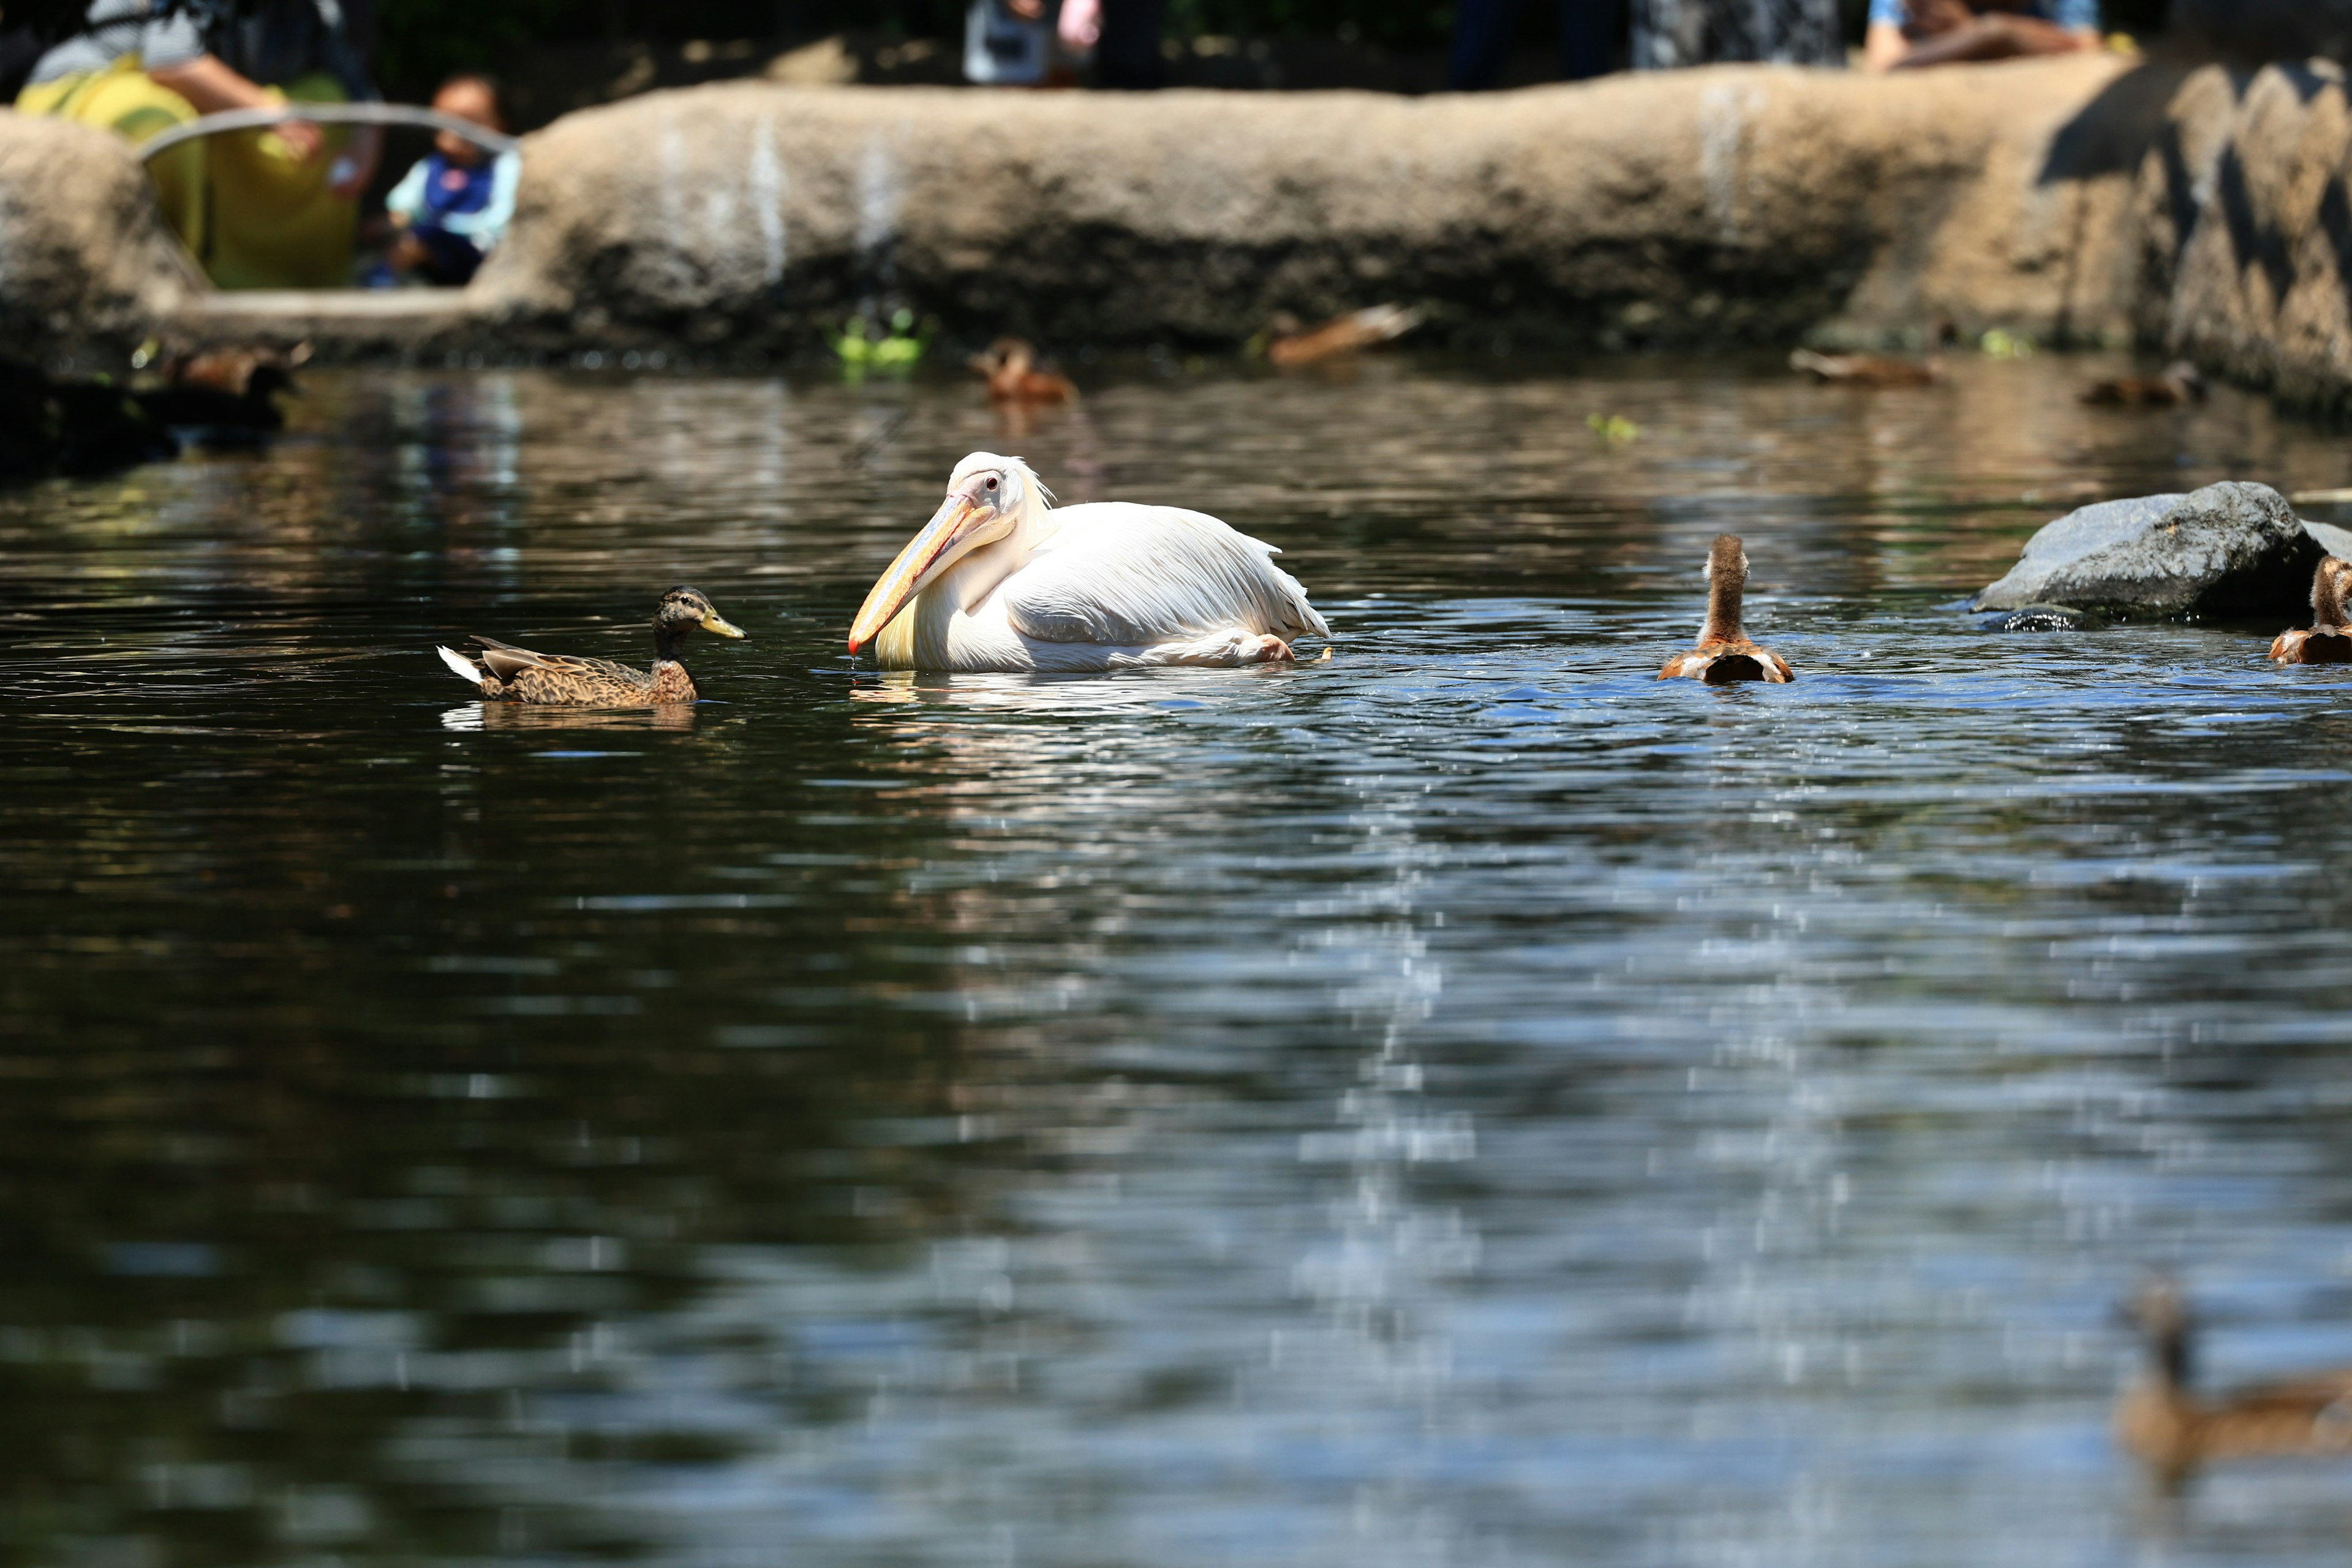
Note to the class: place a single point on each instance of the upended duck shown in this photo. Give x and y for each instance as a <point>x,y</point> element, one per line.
<point>1724,654</point>
<point>1000,580</point>
<point>2329,640</point>
<point>517,675</point>
<point>2173,1430</point>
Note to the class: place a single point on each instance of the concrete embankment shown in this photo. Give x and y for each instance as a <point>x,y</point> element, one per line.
<point>2086,199</point>
<point>1731,204</point>
<point>1752,203</point>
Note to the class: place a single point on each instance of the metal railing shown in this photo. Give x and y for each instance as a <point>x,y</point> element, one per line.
<point>327,115</point>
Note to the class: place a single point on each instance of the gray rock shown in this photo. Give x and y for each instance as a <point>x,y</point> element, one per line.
<point>2231,549</point>
<point>84,255</point>
<point>2336,541</point>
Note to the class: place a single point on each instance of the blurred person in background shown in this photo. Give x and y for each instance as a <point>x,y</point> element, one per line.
<point>260,209</point>
<point>454,202</point>
<point>1908,34</point>
<point>1589,35</point>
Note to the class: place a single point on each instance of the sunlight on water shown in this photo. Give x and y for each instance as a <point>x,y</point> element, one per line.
<point>1464,1102</point>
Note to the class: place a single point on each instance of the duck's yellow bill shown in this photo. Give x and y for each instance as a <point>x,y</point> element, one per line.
<point>956,517</point>
<point>714,622</point>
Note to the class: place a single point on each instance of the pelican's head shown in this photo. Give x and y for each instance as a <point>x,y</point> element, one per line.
<point>987,498</point>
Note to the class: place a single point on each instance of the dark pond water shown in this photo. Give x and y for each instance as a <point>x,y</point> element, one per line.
<point>1465,1102</point>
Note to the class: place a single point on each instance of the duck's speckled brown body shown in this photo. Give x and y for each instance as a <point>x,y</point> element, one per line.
<point>2329,640</point>
<point>2173,1431</point>
<point>510,674</point>
<point>1724,654</point>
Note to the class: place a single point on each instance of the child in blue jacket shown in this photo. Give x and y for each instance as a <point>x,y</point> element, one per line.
<point>451,207</point>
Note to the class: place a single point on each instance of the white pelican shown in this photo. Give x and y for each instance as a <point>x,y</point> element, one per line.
<point>1000,580</point>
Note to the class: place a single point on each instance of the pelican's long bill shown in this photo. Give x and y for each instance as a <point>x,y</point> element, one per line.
<point>936,547</point>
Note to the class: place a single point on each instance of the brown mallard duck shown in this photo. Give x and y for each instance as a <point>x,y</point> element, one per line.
<point>229,396</point>
<point>1011,366</point>
<point>1358,330</point>
<point>2179,382</point>
<point>2173,1431</point>
<point>1724,654</point>
<point>517,675</point>
<point>2329,640</point>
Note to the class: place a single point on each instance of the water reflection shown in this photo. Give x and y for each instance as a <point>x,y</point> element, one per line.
<point>1453,1103</point>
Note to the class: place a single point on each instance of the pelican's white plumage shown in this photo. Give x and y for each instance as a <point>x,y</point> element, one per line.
<point>998,580</point>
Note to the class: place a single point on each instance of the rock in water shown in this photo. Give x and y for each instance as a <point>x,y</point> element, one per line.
<point>2336,541</point>
<point>2231,549</point>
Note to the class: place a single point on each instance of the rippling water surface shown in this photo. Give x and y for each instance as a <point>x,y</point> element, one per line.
<point>1464,1102</point>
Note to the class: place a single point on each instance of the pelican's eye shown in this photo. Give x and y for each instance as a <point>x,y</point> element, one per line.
<point>991,481</point>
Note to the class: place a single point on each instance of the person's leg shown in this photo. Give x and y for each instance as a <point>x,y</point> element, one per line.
<point>1482,38</point>
<point>1588,38</point>
<point>449,258</point>
<point>1128,56</point>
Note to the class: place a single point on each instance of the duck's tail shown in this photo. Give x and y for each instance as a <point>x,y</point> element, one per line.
<point>464,669</point>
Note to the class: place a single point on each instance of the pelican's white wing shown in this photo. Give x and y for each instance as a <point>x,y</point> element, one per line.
<point>1119,574</point>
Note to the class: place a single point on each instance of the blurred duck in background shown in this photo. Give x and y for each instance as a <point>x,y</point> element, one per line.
<point>2176,383</point>
<point>1866,370</point>
<point>1288,342</point>
<point>222,396</point>
<point>1009,366</point>
<point>2173,1431</point>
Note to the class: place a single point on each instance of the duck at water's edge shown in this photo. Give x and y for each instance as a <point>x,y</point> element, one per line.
<point>1724,654</point>
<point>2173,1431</point>
<point>998,580</point>
<point>2329,640</point>
<point>517,675</point>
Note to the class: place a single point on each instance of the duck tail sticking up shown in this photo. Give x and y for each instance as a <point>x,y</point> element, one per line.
<point>464,669</point>
<point>1727,581</point>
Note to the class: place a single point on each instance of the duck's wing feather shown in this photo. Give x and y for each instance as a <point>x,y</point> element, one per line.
<point>506,661</point>
<point>1118,572</point>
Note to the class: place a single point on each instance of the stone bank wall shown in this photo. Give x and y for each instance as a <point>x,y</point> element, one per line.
<point>1757,204</point>
<point>2080,199</point>
<point>2250,198</point>
<point>1729,203</point>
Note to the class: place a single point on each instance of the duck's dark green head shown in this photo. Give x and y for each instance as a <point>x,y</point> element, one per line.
<point>686,609</point>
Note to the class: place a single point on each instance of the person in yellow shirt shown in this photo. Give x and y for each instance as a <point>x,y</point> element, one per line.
<point>259,209</point>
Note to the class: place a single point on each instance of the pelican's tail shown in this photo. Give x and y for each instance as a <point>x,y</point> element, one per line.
<point>464,669</point>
